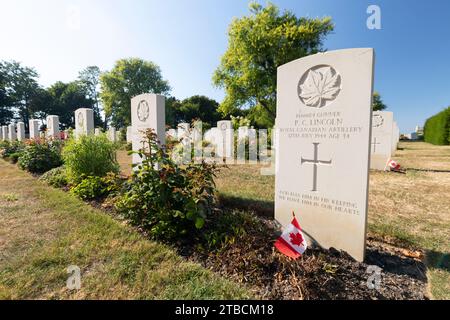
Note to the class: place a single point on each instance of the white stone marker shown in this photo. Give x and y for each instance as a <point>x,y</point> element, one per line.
<point>34,129</point>
<point>5,132</point>
<point>112,136</point>
<point>129,134</point>
<point>324,107</point>
<point>21,131</point>
<point>226,148</point>
<point>172,133</point>
<point>53,127</point>
<point>12,132</point>
<point>381,150</point>
<point>1,134</point>
<point>97,131</point>
<point>84,122</point>
<point>148,111</point>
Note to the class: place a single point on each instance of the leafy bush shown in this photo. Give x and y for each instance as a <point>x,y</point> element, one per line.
<point>7,149</point>
<point>56,177</point>
<point>40,156</point>
<point>437,128</point>
<point>98,187</point>
<point>89,156</point>
<point>14,158</point>
<point>171,202</point>
<point>90,188</point>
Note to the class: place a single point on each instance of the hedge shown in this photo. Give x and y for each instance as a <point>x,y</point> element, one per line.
<point>437,128</point>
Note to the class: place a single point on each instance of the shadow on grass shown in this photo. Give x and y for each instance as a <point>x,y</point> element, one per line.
<point>261,208</point>
<point>438,260</point>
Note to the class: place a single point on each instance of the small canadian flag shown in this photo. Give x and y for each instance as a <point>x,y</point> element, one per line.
<point>393,165</point>
<point>292,243</point>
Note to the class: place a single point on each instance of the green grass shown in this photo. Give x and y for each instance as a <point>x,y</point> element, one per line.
<point>44,231</point>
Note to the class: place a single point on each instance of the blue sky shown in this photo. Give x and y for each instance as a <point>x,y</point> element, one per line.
<point>187,38</point>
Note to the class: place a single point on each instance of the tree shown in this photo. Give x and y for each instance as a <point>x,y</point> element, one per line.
<point>377,103</point>
<point>21,84</point>
<point>198,107</point>
<point>90,81</point>
<point>129,78</point>
<point>257,45</point>
<point>66,98</point>
<point>6,114</point>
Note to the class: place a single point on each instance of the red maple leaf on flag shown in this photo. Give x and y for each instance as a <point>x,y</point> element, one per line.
<point>296,239</point>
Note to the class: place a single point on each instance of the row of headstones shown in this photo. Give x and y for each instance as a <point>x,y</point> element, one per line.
<point>84,124</point>
<point>385,139</point>
<point>16,132</point>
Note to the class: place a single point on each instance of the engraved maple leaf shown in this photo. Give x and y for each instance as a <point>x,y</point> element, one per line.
<point>319,86</point>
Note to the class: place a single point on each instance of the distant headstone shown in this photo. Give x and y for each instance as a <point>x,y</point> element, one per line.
<point>53,127</point>
<point>381,150</point>
<point>112,134</point>
<point>322,157</point>
<point>34,129</point>
<point>97,131</point>
<point>183,130</point>
<point>172,133</point>
<point>148,111</point>
<point>84,122</point>
<point>12,132</point>
<point>5,133</point>
<point>21,131</point>
<point>129,134</point>
<point>225,149</point>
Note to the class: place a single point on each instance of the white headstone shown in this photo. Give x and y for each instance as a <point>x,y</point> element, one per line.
<point>53,127</point>
<point>21,131</point>
<point>226,148</point>
<point>322,157</point>
<point>172,133</point>
<point>381,145</point>
<point>129,134</point>
<point>12,132</point>
<point>148,111</point>
<point>84,122</point>
<point>97,131</point>
<point>112,134</point>
<point>34,129</point>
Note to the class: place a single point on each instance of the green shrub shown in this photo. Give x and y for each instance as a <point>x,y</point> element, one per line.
<point>89,156</point>
<point>14,158</point>
<point>40,156</point>
<point>90,188</point>
<point>437,128</point>
<point>8,149</point>
<point>56,177</point>
<point>171,202</point>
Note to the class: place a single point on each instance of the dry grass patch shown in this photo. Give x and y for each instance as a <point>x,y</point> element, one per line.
<point>46,230</point>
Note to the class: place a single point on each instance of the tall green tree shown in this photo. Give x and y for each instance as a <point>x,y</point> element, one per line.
<point>66,98</point>
<point>257,45</point>
<point>90,81</point>
<point>6,113</point>
<point>21,86</point>
<point>198,107</point>
<point>129,78</point>
<point>377,102</point>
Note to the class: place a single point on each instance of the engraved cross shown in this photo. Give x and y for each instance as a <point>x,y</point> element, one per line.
<point>375,143</point>
<point>316,162</point>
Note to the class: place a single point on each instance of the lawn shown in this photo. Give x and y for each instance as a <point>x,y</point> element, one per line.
<point>43,231</point>
<point>410,210</point>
